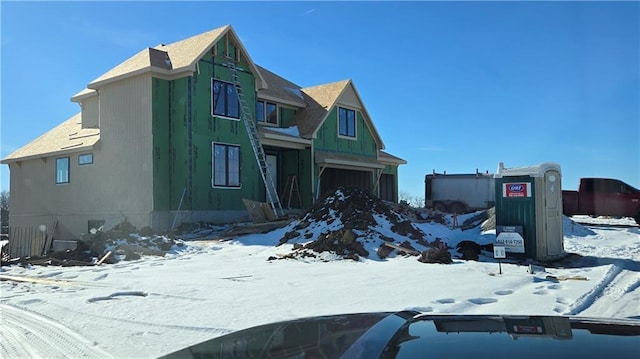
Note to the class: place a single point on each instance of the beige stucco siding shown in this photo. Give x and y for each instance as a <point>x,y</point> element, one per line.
<point>117,185</point>
<point>90,115</point>
<point>42,201</point>
<point>124,175</point>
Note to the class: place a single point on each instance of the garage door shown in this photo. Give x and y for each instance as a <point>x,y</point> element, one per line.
<point>333,178</point>
<point>388,188</point>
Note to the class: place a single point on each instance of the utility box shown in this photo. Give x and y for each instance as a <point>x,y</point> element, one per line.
<point>529,211</point>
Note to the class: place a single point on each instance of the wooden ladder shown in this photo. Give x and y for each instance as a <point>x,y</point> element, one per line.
<point>289,189</point>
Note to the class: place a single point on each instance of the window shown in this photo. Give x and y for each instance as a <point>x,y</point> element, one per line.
<point>225,100</point>
<point>226,165</point>
<point>62,170</point>
<point>94,225</point>
<point>347,122</point>
<point>85,159</point>
<point>613,187</point>
<point>267,112</point>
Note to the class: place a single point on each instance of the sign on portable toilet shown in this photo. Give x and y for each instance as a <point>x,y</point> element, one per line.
<point>529,211</point>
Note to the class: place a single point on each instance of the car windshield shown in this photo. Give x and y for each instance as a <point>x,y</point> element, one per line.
<point>173,172</point>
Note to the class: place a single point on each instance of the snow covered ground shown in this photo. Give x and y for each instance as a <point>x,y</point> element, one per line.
<point>156,305</point>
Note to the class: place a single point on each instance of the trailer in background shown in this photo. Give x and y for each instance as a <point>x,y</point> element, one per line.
<point>459,193</point>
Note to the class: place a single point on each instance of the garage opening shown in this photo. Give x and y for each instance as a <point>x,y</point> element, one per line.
<point>388,188</point>
<point>333,178</point>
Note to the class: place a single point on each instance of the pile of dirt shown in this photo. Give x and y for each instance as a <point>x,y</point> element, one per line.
<point>490,222</point>
<point>352,223</point>
<point>470,250</point>
<point>411,213</point>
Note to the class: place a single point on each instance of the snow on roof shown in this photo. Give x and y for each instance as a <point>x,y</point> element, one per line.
<point>295,91</point>
<point>291,131</point>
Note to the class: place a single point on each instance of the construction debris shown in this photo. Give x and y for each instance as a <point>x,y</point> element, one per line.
<point>351,223</point>
<point>259,211</point>
<point>119,243</point>
<point>251,228</point>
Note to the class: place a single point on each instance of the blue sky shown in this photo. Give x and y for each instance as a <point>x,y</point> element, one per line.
<point>451,86</point>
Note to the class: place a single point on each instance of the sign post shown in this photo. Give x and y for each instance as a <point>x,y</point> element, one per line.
<point>499,252</point>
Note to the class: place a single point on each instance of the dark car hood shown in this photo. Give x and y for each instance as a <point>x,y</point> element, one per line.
<point>410,334</point>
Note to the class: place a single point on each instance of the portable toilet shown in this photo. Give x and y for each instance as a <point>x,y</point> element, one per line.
<point>529,211</point>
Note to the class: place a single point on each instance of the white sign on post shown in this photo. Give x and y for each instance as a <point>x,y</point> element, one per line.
<point>499,252</point>
<point>511,241</point>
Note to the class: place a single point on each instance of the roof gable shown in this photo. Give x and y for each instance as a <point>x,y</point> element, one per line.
<point>176,58</point>
<point>321,99</point>
<point>185,53</point>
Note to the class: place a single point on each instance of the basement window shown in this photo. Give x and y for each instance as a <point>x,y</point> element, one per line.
<point>225,100</point>
<point>95,225</point>
<point>62,170</point>
<point>226,165</point>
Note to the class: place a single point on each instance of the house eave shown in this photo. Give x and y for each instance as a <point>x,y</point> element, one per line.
<point>391,163</point>
<point>280,143</point>
<point>284,141</point>
<point>74,149</point>
<point>281,101</point>
<point>154,71</point>
<point>350,165</point>
<point>83,95</point>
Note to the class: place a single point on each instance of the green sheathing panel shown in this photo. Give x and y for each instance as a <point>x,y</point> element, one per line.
<point>160,126</point>
<point>298,162</point>
<point>170,143</point>
<point>327,140</point>
<point>518,211</point>
<point>391,170</point>
<point>286,116</point>
<point>184,131</point>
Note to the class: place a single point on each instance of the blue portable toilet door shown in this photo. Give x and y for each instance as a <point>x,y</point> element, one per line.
<point>553,214</point>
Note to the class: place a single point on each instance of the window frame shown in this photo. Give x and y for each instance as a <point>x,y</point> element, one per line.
<point>355,121</point>
<point>265,111</point>
<point>85,163</point>
<point>96,224</point>
<point>59,179</point>
<point>227,114</point>
<point>227,183</point>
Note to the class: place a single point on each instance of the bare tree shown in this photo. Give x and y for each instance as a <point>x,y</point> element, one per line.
<point>4,211</point>
<point>413,201</point>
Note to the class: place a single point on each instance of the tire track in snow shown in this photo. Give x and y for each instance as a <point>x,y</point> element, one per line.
<point>25,334</point>
<point>589,298</point>
<point>142,323</point>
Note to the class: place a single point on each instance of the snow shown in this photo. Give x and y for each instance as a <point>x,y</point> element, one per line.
<point>295,91</point>
<point>291,131</point>
<point>156,305</point>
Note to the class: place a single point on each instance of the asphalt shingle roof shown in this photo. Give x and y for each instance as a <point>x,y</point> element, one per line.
<point>320,99</point>
<point>177,56</point>
<point>314,102</point>
<point>68,136</point>
<point>280,88</point>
